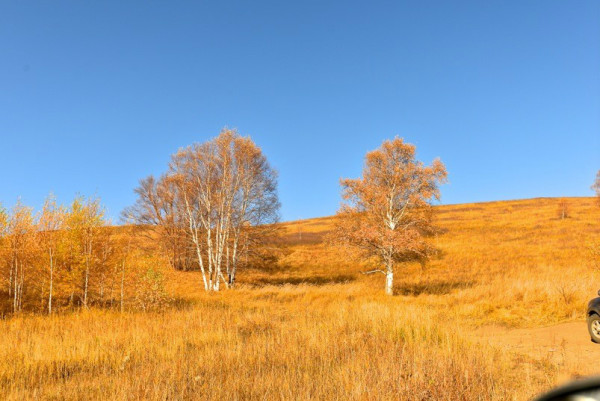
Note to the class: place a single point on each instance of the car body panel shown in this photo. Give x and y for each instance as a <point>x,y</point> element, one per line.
<point>594,307</point>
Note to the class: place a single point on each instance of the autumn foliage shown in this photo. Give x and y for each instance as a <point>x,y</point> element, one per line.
<point>70,257</point>
<point>387,212</point>
<point>215,203</point>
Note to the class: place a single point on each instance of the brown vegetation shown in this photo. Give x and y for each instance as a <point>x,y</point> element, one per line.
<point>310,326</point>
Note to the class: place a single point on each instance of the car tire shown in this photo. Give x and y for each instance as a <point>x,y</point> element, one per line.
<point>593,323</point>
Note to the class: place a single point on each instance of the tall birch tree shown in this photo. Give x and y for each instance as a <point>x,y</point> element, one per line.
<point>217,193</point>
<point>387,212</point>
<point>50,231</point>
<point>83,222</point>
<point>21,231</point>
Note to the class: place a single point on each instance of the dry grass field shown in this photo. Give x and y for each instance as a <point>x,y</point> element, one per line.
<point>313,328</point>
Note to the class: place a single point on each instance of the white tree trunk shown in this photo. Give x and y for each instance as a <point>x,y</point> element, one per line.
<point>85,289</point>
<point>389,274</point>
<point>10,283</point>
<point>87,272</point>
<point>389,282</point>
<point>51,284</point>
<point>233,262</point>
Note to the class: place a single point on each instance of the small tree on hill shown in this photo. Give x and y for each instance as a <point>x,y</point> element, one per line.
<point>596,186</point>
<point>594,246</point>
<point>387,212</point>
<point>563,210</point>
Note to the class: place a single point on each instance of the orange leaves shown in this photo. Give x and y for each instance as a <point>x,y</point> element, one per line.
<point>387,212</point>
<point>211,194</point>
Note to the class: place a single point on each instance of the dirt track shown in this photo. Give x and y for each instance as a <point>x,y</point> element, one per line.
<point>568,345</point>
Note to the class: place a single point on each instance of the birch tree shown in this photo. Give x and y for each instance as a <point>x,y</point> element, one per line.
<point>83,222</point>
<point>20,235</point>
<point>50,226</point>
<point>596,186</point>
<point>49,258</point>
<point>217,193</point>
<point>158,212</point>
<point>255,202</point>
<point>563,209</point>
<point>387,212</point>
<point>4,268</point>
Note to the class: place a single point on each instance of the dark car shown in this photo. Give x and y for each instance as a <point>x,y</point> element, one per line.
<point>593,320</point>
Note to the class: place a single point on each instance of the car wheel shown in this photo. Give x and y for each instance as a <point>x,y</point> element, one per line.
<point>594,327</point>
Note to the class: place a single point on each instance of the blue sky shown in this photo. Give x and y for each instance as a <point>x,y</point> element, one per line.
<point>95,95</point>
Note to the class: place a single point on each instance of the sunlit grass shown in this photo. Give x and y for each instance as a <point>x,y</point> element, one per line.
<point>326,342</point>
<point>313,327</point>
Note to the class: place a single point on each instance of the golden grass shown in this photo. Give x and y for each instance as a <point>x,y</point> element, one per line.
<point>287,343</point>
<point>314,328</point>
<point>512,262</point>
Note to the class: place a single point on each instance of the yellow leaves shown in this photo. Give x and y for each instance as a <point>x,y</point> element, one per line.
<point>387,211</point>
<point>21,220</point>
<point>85,214</point>
<point>45,255</point>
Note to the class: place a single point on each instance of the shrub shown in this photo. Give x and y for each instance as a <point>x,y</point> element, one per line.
<point>150,293</point>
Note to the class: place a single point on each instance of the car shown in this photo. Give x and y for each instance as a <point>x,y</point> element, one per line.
<point>593,318</point>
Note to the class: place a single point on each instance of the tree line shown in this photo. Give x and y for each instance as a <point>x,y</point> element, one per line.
<point>66,257</point>
<point>59,256</point>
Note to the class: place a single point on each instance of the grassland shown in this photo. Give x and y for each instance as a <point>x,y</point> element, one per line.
<point>312,327</point>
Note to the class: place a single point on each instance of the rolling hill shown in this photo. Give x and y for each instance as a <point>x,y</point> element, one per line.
<point>311,326</point>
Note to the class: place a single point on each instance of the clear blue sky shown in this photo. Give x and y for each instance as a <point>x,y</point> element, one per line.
<point>95,95</point>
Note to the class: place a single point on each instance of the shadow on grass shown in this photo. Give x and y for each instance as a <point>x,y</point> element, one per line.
<point>5,305</point>
<point>431,288</point>
<point>303,238</point>
<point>181,303</point>
<point>316,280</point>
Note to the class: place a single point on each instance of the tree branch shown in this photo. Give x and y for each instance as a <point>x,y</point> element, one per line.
<point>374,271</point>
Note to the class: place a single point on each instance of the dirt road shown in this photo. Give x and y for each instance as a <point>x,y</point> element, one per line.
<point>567,345</point>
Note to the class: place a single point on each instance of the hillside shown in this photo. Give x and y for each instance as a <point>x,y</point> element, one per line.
<point>503,262</point>
<point>310,326</point>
